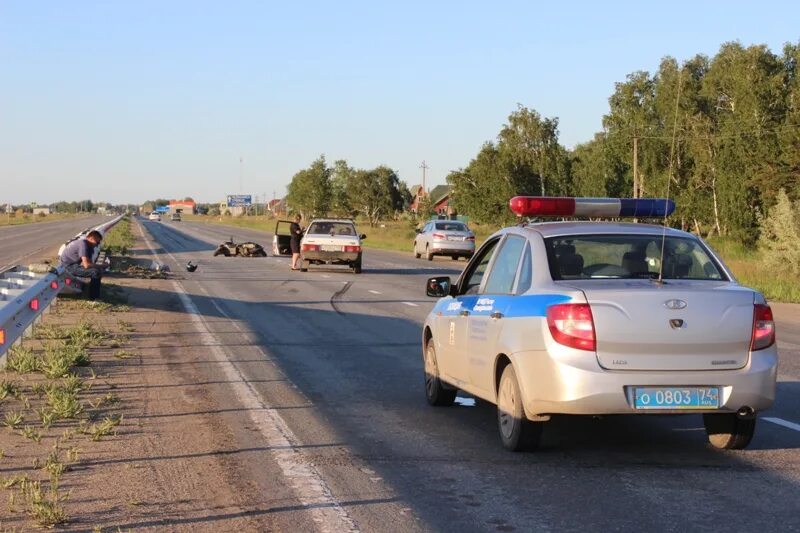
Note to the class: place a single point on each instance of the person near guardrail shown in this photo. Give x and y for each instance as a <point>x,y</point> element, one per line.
<point>77,260</point>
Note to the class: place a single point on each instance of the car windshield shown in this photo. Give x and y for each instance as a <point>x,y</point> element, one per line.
<point>451,226</point>
<point>331,228</point>
<point>629,257</point>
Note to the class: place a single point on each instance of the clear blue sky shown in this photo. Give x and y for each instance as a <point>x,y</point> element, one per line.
<point>126,101</point>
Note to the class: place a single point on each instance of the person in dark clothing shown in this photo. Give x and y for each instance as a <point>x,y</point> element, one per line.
<point>77,260</point>
<point>294,243</point>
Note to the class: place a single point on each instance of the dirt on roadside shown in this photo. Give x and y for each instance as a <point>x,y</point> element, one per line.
<point>167,461</point>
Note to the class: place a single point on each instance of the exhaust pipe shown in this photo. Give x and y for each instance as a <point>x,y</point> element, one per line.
<point>746,412</point>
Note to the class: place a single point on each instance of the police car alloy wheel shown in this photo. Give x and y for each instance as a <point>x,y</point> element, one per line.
<point>517,433</point>
<point>435,392</point>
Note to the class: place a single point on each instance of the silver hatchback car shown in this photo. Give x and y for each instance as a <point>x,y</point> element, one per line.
<point>594,318</point>
<point>444,237</point>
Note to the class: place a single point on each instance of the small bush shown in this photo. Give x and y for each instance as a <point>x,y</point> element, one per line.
<point>22,360</point>
<point>780,235</point>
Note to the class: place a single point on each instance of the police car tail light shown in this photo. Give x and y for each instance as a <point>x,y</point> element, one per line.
<point>763,328</point>
<point>549,206</point>
<point>572,325</point>
<point>352,249</point>
<point>311,247</point>
<point>439,236</point>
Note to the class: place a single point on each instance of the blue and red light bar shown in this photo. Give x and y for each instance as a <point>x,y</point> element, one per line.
<point>551,206</point>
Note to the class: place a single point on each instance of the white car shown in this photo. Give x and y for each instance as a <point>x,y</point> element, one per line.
<point>601,318</point>
<point>155,216</point>
<point>331,241</point>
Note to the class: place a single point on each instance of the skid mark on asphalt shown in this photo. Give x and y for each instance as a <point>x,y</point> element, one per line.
<point>338,294</point>
<point>781,422</point>
<point>307,484</point>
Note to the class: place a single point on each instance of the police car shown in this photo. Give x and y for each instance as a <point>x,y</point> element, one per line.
<point>596,318</point>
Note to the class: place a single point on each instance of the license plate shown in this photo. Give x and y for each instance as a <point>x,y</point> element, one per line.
<point>330,248</point>
<point>455,238</point>
<point>676,397</point>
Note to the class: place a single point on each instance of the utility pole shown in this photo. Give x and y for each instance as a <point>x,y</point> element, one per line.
<point>424,168</point>
<point>636,167</point>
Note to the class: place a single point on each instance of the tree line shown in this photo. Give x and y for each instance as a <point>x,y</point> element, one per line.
<point>720,134</point>
<point>342,190</point>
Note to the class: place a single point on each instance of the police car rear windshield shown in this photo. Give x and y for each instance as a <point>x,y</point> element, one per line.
<point>332,228</point>
<point>629,257</point>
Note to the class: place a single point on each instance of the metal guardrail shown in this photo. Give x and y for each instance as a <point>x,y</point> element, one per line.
<point>26,294</point>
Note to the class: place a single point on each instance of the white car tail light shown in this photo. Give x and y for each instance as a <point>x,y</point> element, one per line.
<point>763,328</point>
<point>439,236</point>
<point>352,249</point>
<point>311,247</point>
<point>572,325</point>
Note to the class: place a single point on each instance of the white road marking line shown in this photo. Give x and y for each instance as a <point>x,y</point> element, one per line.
<point>374,292</point>
<point>325,276</point>
<point>304,479</point>
<point>410,304</point>
<point>782,422</point>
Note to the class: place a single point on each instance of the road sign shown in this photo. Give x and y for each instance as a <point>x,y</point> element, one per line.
<point>239,200</point>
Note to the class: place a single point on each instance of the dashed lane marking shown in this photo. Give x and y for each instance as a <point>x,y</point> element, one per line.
<point>410,304</point>
<point>374,292</point>
<point>782,422</point>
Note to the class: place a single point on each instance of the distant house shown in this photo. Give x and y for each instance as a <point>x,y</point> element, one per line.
<point>440,199</point>
<point>44,211</point>
<point>182,206</point>
<point>277,206</point>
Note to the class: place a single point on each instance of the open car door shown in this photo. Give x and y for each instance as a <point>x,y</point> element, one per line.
<point>283,234</point>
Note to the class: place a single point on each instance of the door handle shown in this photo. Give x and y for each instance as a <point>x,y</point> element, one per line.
<point>464,313</point>
<point>496,315</point>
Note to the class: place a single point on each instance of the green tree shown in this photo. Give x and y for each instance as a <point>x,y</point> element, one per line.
<point>310,189</point>
<point>376,193</point>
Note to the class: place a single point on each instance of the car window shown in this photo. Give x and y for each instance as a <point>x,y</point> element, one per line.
<point>331,228</point>
<point>451,226</point>
<point>504,269</point>
<point>477,268</point>
<point>525,271</point>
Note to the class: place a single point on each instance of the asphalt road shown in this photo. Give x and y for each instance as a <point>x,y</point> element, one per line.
<point>27,241</point>
<point>350,392</point>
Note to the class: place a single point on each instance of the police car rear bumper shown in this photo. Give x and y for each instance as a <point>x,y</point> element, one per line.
<point>574,383</point>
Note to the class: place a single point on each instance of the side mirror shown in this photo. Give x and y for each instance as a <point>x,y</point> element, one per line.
<point>438,287</point>
<point>362,236</point>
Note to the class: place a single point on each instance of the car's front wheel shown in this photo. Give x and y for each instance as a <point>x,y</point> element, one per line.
<point>517,433</point>
<point>729,431</point>
<point>435,392</point>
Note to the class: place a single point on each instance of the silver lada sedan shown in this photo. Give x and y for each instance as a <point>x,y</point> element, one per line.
<point>595,318</point>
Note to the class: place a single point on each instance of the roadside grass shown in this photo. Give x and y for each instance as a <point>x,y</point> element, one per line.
<point>48,399</point>
<point>119,239</point>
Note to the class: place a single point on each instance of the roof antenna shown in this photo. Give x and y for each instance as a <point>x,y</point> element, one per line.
<point>660,280</point>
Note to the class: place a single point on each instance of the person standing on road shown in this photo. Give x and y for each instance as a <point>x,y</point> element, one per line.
<point>294,243</point>
<point>77,260</point>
